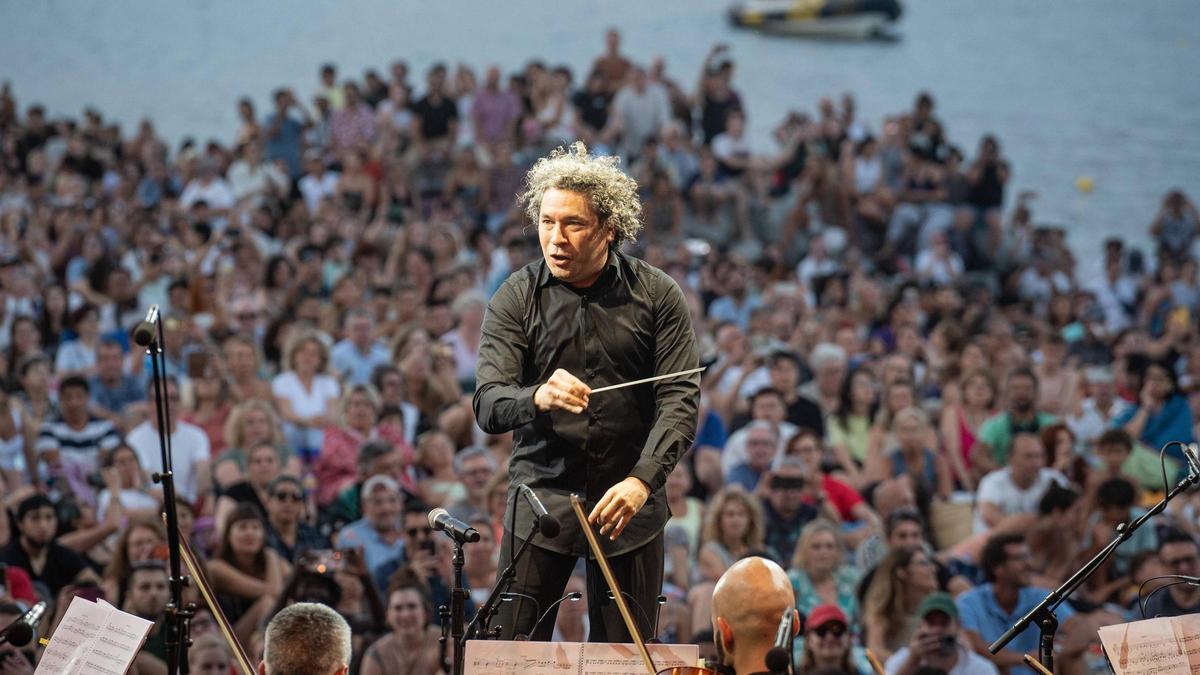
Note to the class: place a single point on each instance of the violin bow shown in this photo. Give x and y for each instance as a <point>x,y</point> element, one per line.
<point>594,544</point>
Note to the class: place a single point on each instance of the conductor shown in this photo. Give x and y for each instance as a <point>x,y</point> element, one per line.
<point>583,317</point>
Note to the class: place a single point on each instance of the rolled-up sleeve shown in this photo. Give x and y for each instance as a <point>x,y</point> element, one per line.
<point>501,402</point>
<point>677,398</point>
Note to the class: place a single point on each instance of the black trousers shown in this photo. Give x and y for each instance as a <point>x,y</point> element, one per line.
<point>543,575</point>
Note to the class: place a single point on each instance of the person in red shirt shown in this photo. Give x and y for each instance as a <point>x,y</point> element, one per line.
<point>845,500</point>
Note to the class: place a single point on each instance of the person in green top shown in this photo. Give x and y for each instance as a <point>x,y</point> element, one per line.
<point>997,432</point>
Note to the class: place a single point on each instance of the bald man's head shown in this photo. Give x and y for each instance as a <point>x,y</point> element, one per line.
<point>748,602</point>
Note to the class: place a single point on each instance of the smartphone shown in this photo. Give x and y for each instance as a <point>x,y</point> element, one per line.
<point>324,561</point>
<point>429,546</point>
<point>89,591</point>
<point>947,643</point>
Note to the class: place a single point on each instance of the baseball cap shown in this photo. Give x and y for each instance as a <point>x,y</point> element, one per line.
<point>938,602</point>
<point>823,614</point>
<point>376,481</point>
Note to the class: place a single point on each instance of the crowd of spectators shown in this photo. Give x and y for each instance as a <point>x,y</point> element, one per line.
<point>917,401</point>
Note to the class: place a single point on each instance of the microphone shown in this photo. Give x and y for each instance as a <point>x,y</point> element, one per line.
<point>1191,452</point>
<point>143,333</point>
<point>21,631</point>
<point>440,519</point>
<point>547,524</point>
<point>779,657</point>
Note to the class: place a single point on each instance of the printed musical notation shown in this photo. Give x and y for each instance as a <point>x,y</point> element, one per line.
<point>93,637</point>
<point>1166,646</point>
<point>570,658</point>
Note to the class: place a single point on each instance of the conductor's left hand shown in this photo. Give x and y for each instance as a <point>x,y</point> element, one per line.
<point>619,505</point>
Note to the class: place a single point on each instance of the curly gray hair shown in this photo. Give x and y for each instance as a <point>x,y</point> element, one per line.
<point>612,194</point>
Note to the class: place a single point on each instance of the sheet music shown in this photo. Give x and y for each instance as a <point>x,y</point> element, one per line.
<point>93,638</point>
<point>1151,647</point>
<point>498,657</point>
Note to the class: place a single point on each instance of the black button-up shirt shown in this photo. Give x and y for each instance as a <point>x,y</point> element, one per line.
<point>631,324</point>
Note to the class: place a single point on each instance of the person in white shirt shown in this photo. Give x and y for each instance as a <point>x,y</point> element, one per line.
<point>305,395</point>
<point>1097,411</point>
<point>936,645</point>
<point>252,180</point>
<point>639,110</point>
<point>207,187</point>
<point>1007,499</point>
<point>190,450</point>
<point>317,183</point>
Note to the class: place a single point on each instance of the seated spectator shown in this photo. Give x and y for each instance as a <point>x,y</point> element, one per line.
<point>1116,500</point>
<point>766,405</point>
<point>902,580</point>
<point>987,611</point>
<point>247,576</point>
<point>51,566</point>
<point>474,467</point>
<point>935,643</point>
<point>425,558</point>
<point>849,428</point>
<point>359,352</point>
<point>791,498</point>
<point>129,484</point>
<point>74,442</point>
<point>1007,499</point>
<point>1057,536</point>
<point>914,458</point>
<point>378,533</point>
<point>762,446</point>
<point>1162,413</point>
<point>305,395</point>
<point>250,424</point>
<point>1179,554</point>
<point>113,389</point>
<point>997,433</point>
<point>818,572</point>
<point>146,595</point>
<point>733,529</point>
<point>902,529</point>
<point>335,467</point>
<point>375,458</point>
<point>687,512</point>
<point>287,533</point>
<point>412,644</point>
<point>211,404</point>
<point>142,539</point>
<point>263,468</point>
<point>962,422</point>
<point>848,503</point>
<point>191,457</point>
<point>241,358</point>
<point>208,655</point>
<point>435,460</point>
<point>828,644</point>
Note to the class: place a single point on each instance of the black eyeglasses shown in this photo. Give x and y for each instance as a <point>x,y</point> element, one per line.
<point>414,531</point>
<point>834,629</point>
<point>288,497</point>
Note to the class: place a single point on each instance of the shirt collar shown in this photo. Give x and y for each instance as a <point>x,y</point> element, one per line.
<point>612,273</point>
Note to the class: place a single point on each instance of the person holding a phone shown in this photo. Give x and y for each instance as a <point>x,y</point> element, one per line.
<point>935,643</point>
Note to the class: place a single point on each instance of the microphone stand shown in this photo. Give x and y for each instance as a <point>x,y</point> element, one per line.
<point>453,618</point>
<point>479,626</point>
<point>178,615</point>
<point>1043,613</point>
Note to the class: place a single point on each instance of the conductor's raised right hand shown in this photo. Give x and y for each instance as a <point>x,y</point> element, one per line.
<point>564,391</point>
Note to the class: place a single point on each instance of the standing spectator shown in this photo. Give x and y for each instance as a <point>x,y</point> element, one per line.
<point>639,109</point>
<point>283,133</point>
<point>494,111</point>
<point>353,125</point>
<point>1176,225</point>
<point>612,67</point>
<point>436,112</point>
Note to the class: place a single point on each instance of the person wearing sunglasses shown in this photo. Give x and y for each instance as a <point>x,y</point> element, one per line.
<point>287,532</point>
<point>828,645</point>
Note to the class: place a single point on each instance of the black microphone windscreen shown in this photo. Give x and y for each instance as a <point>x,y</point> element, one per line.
<point>549,526</point>
<point>777,660</point>
<point>19,634</point>
<point>143,334</point>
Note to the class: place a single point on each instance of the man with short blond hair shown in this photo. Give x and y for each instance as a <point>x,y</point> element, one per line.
<point>306,639</point>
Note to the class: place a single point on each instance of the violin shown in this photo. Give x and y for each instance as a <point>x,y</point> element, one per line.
<point>619,598</point>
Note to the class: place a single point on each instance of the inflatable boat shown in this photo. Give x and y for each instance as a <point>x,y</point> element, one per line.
<point>819,18</point>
